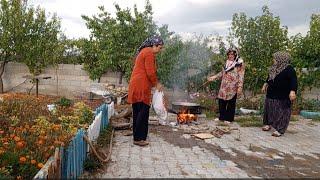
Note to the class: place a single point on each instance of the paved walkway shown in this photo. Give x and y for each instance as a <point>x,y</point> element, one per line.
<point>173,154</point>
<point>301,138</point>
<point>161,159</point>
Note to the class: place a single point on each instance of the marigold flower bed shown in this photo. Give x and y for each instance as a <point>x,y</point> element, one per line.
<point>29,132</point>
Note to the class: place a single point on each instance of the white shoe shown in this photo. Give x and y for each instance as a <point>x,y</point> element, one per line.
<point>216,120</point>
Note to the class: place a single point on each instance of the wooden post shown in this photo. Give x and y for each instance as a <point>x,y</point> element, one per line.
<point>37,86</point>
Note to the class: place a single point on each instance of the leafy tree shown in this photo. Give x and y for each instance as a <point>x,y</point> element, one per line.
<point>167,59</point>
<point>12,19</point>
<point>306,55</point>
<point>41,46</point>
<point>115,39</point>
<point>258,38</point>
<point>72,51</point>
<point>27,36</point>
<point>217,60</point>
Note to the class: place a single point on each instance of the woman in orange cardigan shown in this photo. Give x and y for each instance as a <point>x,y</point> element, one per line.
<point>143,78</point>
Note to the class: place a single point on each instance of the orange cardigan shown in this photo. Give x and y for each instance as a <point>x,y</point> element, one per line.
<point>143,77</point>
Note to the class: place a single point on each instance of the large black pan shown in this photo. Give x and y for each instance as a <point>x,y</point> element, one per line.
<point>192,108</point>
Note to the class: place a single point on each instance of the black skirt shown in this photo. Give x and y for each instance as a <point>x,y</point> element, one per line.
<point>277,113</point>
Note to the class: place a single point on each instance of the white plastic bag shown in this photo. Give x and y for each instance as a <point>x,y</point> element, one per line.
<point>158,106</point>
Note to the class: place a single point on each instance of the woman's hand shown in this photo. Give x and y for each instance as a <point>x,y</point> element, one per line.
<point>211,78</point>
<point>159,87</point>
<point>292,95</point>
<point>264,88</point>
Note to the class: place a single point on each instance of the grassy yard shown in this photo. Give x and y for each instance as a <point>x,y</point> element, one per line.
<point>249,121</point>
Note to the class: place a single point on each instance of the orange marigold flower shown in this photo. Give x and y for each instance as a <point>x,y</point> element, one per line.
<point>33,161</point>
<point>22,159</point>
<point>20,144</point>
<point>40,142</point>
<point>17,138</point>
<point>12,135</point>
<point>40,165</point>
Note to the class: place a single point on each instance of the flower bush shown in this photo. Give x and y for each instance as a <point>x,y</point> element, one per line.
<point>29,132</point>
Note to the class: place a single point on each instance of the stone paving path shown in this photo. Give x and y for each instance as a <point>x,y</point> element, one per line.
<point>161,159</point>
<point>165,159</point>
<point>301,138</point>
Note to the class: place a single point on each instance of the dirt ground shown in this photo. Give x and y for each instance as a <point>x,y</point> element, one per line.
<point>288,167</point>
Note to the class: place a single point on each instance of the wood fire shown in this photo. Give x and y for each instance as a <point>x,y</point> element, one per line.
<point>186,117</point>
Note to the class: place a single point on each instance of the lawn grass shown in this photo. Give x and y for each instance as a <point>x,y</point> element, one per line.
<point>249,121</point>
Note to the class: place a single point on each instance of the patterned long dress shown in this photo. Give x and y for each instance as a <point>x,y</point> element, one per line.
<point>231,82</point>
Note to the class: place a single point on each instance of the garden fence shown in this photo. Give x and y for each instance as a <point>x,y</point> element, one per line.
<point>67,163</point>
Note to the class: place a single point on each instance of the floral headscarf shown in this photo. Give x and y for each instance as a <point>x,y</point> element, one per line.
<point>149,42</point>
<point>282,61</point>
<point>237,61</point>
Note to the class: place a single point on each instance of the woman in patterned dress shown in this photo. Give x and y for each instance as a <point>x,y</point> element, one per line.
<point>281,87</point>
<point>232,76</point>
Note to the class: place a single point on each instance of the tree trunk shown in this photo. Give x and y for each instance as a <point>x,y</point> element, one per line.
<point>2,65</point>
<point>120,77</point>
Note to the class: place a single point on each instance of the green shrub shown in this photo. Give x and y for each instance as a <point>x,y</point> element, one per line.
<point>210,114</point>
<point>91,163</point>
<point>256,103</point>
<point>311,105</point>
<point>65,102</point>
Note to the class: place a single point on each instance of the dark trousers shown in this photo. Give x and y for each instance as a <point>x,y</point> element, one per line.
<point>227,109</point>
<point>140,121</point>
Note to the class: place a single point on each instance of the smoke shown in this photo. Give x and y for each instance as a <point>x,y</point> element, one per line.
<point>191,65</point>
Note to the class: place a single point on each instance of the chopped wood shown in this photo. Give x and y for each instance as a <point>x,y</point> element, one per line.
<point>153,123</point>
<point>119,120</point>
<point>124,114</point>
<point>127,133</point>
<point>120,126</point>
<point>224,130</point>
<point>153,118</point>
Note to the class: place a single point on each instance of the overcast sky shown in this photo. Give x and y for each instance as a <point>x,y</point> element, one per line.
<point>185,16</point>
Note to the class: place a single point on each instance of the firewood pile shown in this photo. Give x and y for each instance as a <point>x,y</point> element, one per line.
<point>122,118</point>
<point>119,92</point>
